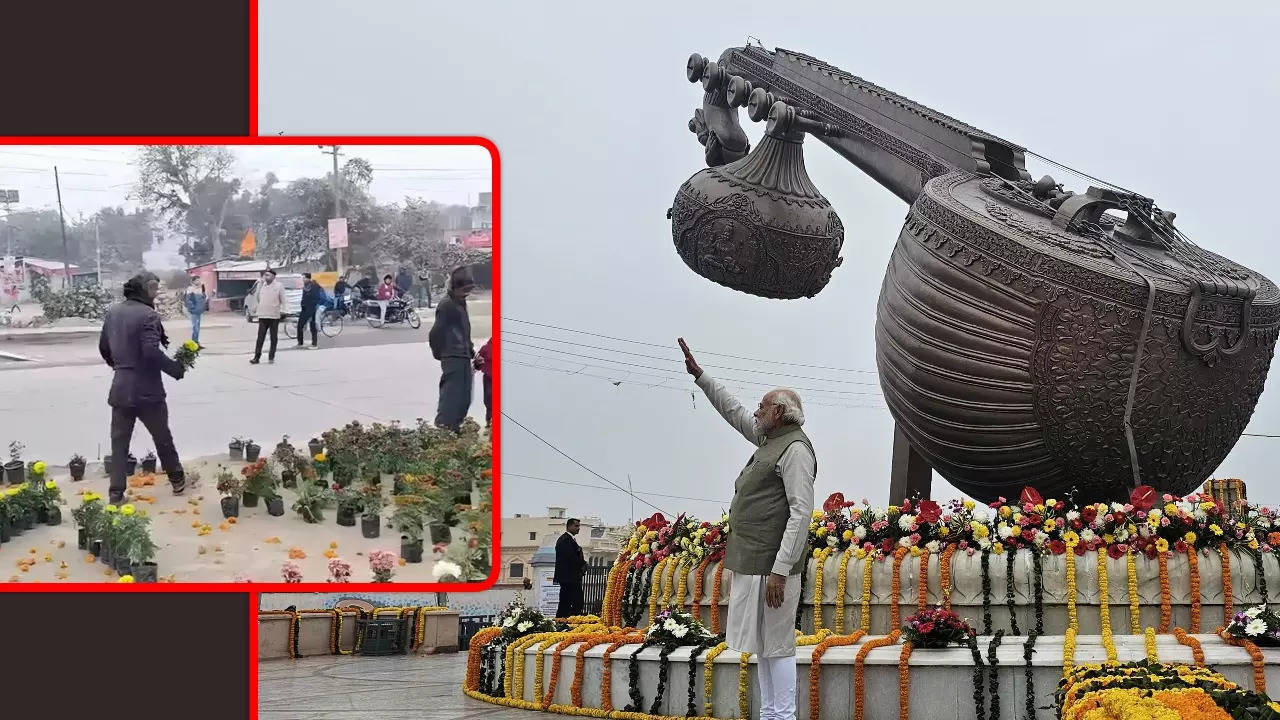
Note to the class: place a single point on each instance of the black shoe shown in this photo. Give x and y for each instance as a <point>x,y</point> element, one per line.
<point>254,361</point>
<point>178,481</point>
<point>115,499</point>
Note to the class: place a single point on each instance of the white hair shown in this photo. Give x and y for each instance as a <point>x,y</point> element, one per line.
<point>792,411</point>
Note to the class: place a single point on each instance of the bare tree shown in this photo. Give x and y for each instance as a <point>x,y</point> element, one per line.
<point>189,185</point>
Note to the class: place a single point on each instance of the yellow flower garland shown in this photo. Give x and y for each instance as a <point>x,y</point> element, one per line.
<point>867,567</point>
<point>1151,645</point>
<point>744,693</point>
<point>1104,606</point>
<point>821,557</point>
<point>1135,627</point>
<point>683,568</point>
<point>655,588</point>
<point>1073,620</point>
<point>707,675</point>
<point>842,583</point>
<point>1069,652</point>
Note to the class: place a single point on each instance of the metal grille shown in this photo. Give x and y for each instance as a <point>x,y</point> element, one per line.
<point>470,625</point>
<point>594,579</point>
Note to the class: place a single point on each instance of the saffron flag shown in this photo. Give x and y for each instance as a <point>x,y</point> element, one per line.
<point>248,245</point>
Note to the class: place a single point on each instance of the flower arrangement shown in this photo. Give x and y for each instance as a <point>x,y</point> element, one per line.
<point>936,627</point>
<point>90,509</point>
<point>291,572</point>
<point>1258,624</point>
<point>187,354</point>
<point>676,628</point>
<point>519,620</point>
<point>1155,690</point>
<point>383,564</point>
<point>339,571</point>
<point>132,536</point>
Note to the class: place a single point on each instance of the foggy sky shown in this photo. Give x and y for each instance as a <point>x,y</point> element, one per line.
<point>588,105</point>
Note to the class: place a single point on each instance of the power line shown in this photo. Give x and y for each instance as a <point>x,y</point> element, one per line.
<point>602,487</point>
<point>668,346</point>
<point>66,157</point>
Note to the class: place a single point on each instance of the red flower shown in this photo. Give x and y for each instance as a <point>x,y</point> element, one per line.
<point>1089,514</point>
<point>1029,495</point>
<point>906,506</point>
<point>1180,546</point>
<point>926,627</point>
<point>1028,534</point>
<point>1080,549</point>
<point>834,502</point>
<point>337,487</point>
<point>1115,552</point>
<point>929,512</point>
<point>1057,547</point>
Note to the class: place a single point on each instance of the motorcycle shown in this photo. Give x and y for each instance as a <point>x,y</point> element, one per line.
<point>398,311</point>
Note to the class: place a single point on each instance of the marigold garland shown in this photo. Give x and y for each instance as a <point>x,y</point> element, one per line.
<point>1068,652</point>
<point>895,588</point>
<point>1104,606</point>
<point>1073,620</point>
<point>944,575</point>
<point>714,653</point>
<point>1227,610</point>
<point>669,582</point>
<point>606,679</point>
<point>474,659</point>
<point>1151,645</point>
<point>819,566</point>
<point>1166,605</point>
<point>1255,657</point>
<point>606,610</point>
<point>859,671</point>
<point>556,659</point>
<point>1194,565</point>
<point>294,654</point>
<point>923,601</point>
<point>699,584</point>
<point>1135,626</point>
<point>683,568</point>
<point>842,585</point>
<point>715,598</point>
<point>575,690</point>
<point>867,567</point>
<point>1197,652</point>
<point>904,682</point>
<point>655,587</point>
<point>815,668</point>
<point>744,694</point>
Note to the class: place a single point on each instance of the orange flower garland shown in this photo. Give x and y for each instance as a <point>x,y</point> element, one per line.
<point>1225,554</point>
<point>923,602</point>
<point>715,598</point>
<point>904,682</point>
<point>944,575</point>
<point>478,641</point>
<point>1195,589</point>
<point>842,584</point>
<point>867,567</point>
<point>815,669</point>
<point>556,657</point>
<point>606,681</point>
<point>859,674</point>
<point>1166,609</point>
<point>699,588</point>
<point>895,588</point>
<point>575,690</point>
<point>1255,657</point>
<point>1197,652</point>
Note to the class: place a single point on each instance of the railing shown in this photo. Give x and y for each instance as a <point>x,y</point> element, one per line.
<point>594,580</point>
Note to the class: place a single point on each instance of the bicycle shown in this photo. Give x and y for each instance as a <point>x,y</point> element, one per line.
<point>331,322</point>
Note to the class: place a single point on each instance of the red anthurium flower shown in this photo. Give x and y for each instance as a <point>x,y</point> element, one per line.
<point>929,512</point>
<point>834,502</point>
<point>1030,495</point>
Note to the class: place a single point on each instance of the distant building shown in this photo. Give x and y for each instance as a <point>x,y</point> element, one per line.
<point>522,535</point>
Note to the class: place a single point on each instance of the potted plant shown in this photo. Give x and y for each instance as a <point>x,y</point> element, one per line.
<point>86,517</point>
<point>383,564</point>
<point>230,487</point>
<point>371,506</point>
<point>4,519</point>
<point>137,548</point>
<point>349,503</point>
<point>258,482</point>
<point>108,527</point>
<point>149,463</point>
<point>320,466</point>
<point>76,466</point>
<point>50,498</point>
<point>935,627</point>
<point>311,502</point>
<point>315,446</point>
<point>286,458</point>
<point>131,466</point>
<point>236,448</point>
<point>13,470</point>
<point>409,517</point>
<point>251,451</point>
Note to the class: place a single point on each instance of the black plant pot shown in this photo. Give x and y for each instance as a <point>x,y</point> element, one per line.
<point>107,556</point>
<point>144,572</point>
<point>346,517</point>
<point>149,465</point>
<point>370,525</point>
<point>4,531</point>
<point>15,527</point>
<point>236,451</point>
<point>15,472</point>
<point>82,538</point>
<point>53,516</point>
<point>230,507</point>
<point>440,534</point>
<point>29,523</point>
<point>251,452</point>
<point>289,478</point>
<point>131,467</point>
<point>315,447</point>
<point>275,506</point>
<point>77,471</point>
<point>122,565</point>
<point>249,500</point>
<point>42,516</point>
<point>410,550</point>
<point>95,548</point>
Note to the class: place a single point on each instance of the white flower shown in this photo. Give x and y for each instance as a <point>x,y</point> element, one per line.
<point>1255,627</point>
<point>444,568</point>
<point>879,513</point>
<point>906,521</point>
<point>1005,532</point>
<point>860,532</point>
<point>1199,514</point>
<point>1073,515</point>
<point>1254,611</point>
<point>904,542</point>
<point>932,545</point>
<point>680,631</point>
<point>1088,535</point>
<point>981,515</point>
<point>509,622</point>
<point>524,626</point>
<point>984,543</point>
<point>670,625</point>
<point>1117,507</point>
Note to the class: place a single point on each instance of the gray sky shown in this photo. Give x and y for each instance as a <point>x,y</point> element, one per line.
<point>94,176</point>
<point>588,103</point>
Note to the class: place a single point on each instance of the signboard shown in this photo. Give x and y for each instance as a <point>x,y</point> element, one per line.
<point>325,280</point>
<point>239,275</point>
<point>337,233</point>
<point>9,197</point>
<point>548,597</point>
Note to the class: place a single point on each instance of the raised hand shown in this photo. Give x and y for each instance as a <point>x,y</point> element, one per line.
<point>690,364</point>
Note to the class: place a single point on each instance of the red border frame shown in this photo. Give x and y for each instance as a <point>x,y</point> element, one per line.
<point>252,589</point>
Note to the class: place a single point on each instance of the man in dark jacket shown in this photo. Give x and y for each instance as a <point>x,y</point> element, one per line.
<point>569,566</point>
<point>130,344</point>
<point>404,281</point>
<point>311,296</point>
<point>450,340</point>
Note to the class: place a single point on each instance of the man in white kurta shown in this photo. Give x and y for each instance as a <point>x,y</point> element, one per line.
<point>769,526</point>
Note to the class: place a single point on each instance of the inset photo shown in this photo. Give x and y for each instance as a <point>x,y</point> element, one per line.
<point>270,361</point>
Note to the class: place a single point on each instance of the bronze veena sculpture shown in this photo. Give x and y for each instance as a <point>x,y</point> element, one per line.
<point>1025,335</point>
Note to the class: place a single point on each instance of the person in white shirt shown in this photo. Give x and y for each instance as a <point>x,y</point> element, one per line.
<point>270,308</point>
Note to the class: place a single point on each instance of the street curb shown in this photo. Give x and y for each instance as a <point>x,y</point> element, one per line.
<point>76,331</point>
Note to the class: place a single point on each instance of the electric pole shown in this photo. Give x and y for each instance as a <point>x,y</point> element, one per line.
<point>66,269</point>
<point>97,243</point>
<point>337,200</point>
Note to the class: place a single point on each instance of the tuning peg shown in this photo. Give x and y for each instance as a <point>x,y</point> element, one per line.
<point>783,119</point>
<point>693,69</point>
<point>739,92</point>
<point>714,77</point>
<point>760,103</point>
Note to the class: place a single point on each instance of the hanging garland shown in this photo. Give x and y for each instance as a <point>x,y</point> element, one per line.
<point>1152,656</point>
<point>608,592</point>
<point>1260,574</point>
<point>993,663</point>
<point>669,584</point>
<point>1028,649</point>
<point>606,679</point>
<point>842,584</point>
<point>698,587</point>
<point>944,575</point>
<point>1195,589</point>
<point>986,592</point>
<point>293,629</point>
<point>1166,605</point>
<point>664,669</point>
<point>1226,584</point>
<point>476,669</point>
<point>1255,657</point>
<point>540,666</point>
<point>1068,652</point>
<point>859,671</point>
<point>895,589</point>
<point>744,694</point>
<point>1197,652</point>
<point>715,599</point>
<point>633,680</point>
<point>867,567</point>
<point>904,682</point>
<point>821,560</point>
<point>693,673</point>
<point>575,690</point>
<point>1038,584</point>
<point>979,699</point>
<point>1135,625</point>
<point>708,673</point>
<point>815,668</point>
<point>683,568</point>
<point>923,601</point>
<point>1008,593</point>
<point>1104,606</point>
<point>1073,619</point>
<point>655,591</point>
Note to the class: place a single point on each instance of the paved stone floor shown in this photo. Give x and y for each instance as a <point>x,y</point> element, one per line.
<point>372,688</point>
